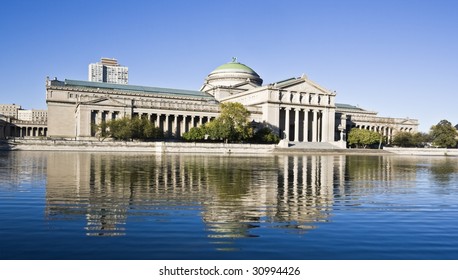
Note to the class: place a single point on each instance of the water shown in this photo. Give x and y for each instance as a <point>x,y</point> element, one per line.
<point>57,205</point>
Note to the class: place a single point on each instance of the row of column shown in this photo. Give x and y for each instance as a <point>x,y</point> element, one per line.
<point>28,131</point>
<point>171,124</point>
<point>103,116</point>
<point>307,125</point>
<point>383,130</point>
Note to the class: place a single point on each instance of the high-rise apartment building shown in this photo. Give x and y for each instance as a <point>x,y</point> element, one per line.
<point>108,71</point>
<point>33,115</point>
<point>9,110</point>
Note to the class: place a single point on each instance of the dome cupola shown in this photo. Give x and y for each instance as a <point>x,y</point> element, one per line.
<point>232,73</point>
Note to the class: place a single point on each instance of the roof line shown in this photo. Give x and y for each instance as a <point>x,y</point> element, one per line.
<point>121,87</point>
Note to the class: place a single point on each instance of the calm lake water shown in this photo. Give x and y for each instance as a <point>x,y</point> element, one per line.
<point>58,205</point>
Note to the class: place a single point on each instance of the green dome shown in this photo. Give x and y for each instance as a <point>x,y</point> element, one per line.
<point>233,73</point>
<point>235,66</point>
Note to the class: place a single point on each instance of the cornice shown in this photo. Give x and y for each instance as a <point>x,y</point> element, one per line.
<point>127,93</point>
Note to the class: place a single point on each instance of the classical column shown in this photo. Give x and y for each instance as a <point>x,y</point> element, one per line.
<point>314,126</point>
<point>166,126</point>
<point>96,116</point>
<point>287,123</point>
<point>296,125</point>
<point>306,125</point>
<point>183,125</point>
<point>158,121</point>
<point>319,126</point>
<point>324,132</point>
<point>191,122</point>
<point>342,126</point>
<point>174,125</point>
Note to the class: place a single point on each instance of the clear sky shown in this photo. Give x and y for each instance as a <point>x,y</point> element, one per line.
<point>396,57</point>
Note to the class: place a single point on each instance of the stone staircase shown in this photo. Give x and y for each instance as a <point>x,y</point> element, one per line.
<point>322,148</point>
<point>313,146</point>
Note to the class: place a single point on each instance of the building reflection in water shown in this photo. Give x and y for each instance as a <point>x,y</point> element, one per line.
<point>16,168</point>
<point>237,197</point>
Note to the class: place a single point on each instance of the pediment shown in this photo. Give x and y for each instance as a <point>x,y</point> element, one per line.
<point>104,101</point>
<point>301,85</point>
<point>408,122</point>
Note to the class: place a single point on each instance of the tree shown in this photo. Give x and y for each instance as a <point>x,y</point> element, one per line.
<point>444,134</point>
<point>100,131</point>
<point>363,137</point>
<point>133,128</point>
<point>421,139</point>
<point>234,122</point>
<point>407,139</point>
<point>120,129</point>
<point>150,131</point>
<point>195,134</point>
<point>265,135</point>
<point>403,139</point>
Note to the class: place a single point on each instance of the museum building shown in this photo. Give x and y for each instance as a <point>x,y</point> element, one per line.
<point>297,109</point>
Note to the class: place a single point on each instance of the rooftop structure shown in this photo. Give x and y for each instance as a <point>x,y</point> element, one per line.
<point>108,71</point>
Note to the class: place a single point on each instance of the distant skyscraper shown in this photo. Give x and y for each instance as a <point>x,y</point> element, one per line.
<point>108,71</point>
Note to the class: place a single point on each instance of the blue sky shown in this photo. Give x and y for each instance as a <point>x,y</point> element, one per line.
<point>399,58</point>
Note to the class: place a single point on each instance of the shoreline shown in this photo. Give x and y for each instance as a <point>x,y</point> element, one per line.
<point>203,148</point>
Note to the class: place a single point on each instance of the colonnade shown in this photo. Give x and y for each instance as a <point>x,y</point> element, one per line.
<point>383,130</point>
<point>99,116</point>
<point>304,125</point>
<point>173,125</point>
<point>28,131</point>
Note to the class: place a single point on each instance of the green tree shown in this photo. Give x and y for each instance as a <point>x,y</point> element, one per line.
<point>133,128</point>
<point>421,139</point>
<point>120,129</point>
<point>136,126</point>
<point>150,131</point>
<point>195,134</point>
<point>363,137</point>
<point>403,139</point>
<point>234,122</point>
<point>407,139</point>
<point>444,134</point>
<point>100,131</point>
<point>265,135</point>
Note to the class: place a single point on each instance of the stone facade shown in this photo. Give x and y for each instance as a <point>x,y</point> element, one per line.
<point>297,109</point>
<point>355,117</point>
<point>75,106</point>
